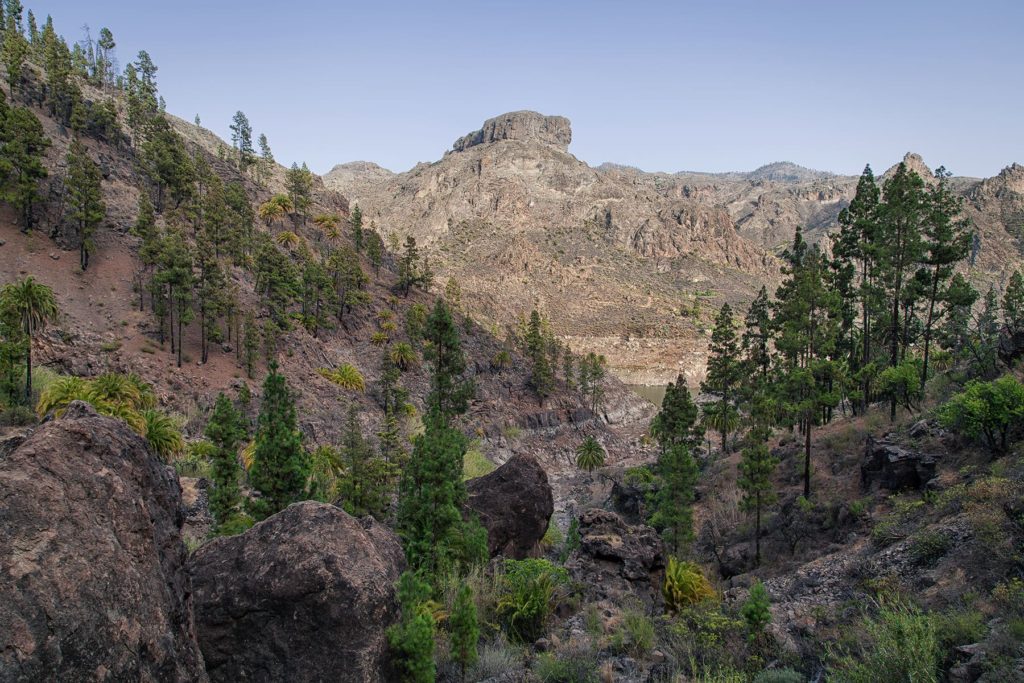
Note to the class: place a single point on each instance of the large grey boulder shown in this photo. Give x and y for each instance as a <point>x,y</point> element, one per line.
<point>305,595</point>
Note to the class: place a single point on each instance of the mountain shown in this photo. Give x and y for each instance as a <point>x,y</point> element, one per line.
<point>624,262</point>
<point>609,255</point>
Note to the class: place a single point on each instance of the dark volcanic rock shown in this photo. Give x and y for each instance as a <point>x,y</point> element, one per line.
<point>514,503</point>
<point>894,468</point>
<point>93,582</point>
<point>305,595</point>
<point>615,559</point>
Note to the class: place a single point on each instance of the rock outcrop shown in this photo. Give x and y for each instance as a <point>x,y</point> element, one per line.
<point>615,560</point>
<point>93,583</point>
<point>305,595</point>
<point>524,126</point>
<point>514,503</point>
<point>894,468</point>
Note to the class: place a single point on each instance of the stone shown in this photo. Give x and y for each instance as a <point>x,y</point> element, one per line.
<point>94,584</point>
<point>524,126</point>
<point>514,503</point>
<point>305,595</point>
<point>615,560</point>
<point>894,468</point>
<point>55,256</point>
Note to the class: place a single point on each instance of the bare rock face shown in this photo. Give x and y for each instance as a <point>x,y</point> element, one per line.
<point>525,126</point>
<point>894,468</point>
<point>615,559</point>
<point>93,582</point>
<point>514,503</point>
<point>305,595</point>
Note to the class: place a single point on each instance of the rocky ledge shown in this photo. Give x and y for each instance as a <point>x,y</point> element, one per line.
<point>525,126</point>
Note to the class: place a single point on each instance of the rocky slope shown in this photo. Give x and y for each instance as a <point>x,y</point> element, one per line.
<point>627,263</point>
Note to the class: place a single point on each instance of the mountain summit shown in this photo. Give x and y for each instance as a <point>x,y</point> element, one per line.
<point>525,126</point>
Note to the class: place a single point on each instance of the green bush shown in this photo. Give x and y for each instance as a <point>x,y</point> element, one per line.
<point>929,546</point>
<point>992,411</point>
<point>899,644</point>
<point>572,667</point>
<point>756,610</point>
<point>529,592</point>
<point>635,635</point>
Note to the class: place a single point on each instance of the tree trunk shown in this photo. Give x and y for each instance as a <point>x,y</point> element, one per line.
<point>757,530</point>
<point>180,341</point>
<point>807,460</point>
<point>28,369</point>
<point>928,326</point>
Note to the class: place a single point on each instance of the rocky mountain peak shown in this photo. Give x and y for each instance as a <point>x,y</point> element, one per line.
<point>914,162</point>
<point>785,172</point>
<point>525,126</point>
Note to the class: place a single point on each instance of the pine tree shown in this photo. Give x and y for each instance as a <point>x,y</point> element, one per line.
<point>537,342</point>
<point>241,139</point>
<point>374,250</point>
<point>676,422</point>
<point>900,248</point>
<point>947,242</point>
<point>265,165</point>
<point>449,390</point>
<point>356,221</point>
<point>412,639</point>
<point>591,380</point>
<point>365,485</point>
<point>409,267</point>
<point>15,49</point>
<point>299,182</point>
<point>226,431</point>
<point>280,463</point>
<point>21,160</point>
<point>673,500</point>
<point>755,470</point>
<point>1013,305</point>
<point>249,345</point>
<point>85,199</point>
<point>806,320</point>
<point>723,375</point>
<point>465,630</point>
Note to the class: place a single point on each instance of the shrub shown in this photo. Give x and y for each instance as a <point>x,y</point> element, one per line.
<point>403,355</point>
<point>685,585</point>
<point>901,383</point>
<point>496,659</point>
<point>474,463</point>
<point>17,416</point>
<point>928,547</point>
<point>576,666</point>
<point>899,644</point>
<point>635,635</point>
<point>529,593</point>
<point>990,410</point>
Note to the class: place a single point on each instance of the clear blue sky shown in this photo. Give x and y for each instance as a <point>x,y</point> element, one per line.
<point>715,85</point>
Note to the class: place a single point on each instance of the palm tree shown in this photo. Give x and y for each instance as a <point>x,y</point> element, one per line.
<point>162,433</point>
<point>115,388</point>
<point>403,355</point>
<point>288,239</point>
<point>275,208</point>
<point>590,455</point>
<point>346,376</point>
<point>34,305</point>
<point>328,224</point>
<point>59,394</point>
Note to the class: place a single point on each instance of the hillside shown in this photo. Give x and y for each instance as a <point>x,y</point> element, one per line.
<point>627,263</point>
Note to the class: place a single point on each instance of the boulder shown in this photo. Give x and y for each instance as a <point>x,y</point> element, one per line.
<point>305,595</point>
<point>894,468</point>
<point>514,503</point>
<point>94,584</point>
<point>615,559</point>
